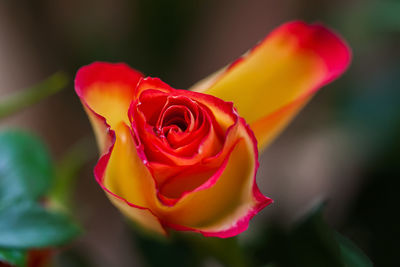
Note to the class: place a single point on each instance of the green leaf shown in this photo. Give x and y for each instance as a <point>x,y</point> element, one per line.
<point>227,251</point>
<point>160,252</point>
<point>13,257</point>
<point>351,254</point>
<point>313,243</point>
<point>25,224</point>
<point>25,167</point>
<point>25,176</point>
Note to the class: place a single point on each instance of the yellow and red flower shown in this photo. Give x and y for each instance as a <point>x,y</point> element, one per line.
<point>187,160</point>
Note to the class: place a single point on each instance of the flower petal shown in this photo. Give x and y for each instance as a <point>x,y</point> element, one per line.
<point>279,75</point>
<point>143,217</point>
<point>152,83</point>
<point>223,205</point>
<point>127,181</point>
<point>101,130</point>
<point>200,143</point>
<point>107,89</point>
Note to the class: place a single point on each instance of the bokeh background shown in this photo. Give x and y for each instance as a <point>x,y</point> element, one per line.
<point>341,149</point>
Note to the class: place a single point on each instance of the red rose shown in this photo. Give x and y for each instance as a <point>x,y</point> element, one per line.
<point>187,160</point>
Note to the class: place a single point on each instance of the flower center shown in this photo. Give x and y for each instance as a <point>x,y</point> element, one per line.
<point>176,115</point>
<point>175,126</point>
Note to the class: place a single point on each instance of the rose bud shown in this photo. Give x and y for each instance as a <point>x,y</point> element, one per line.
<point>187,160</point>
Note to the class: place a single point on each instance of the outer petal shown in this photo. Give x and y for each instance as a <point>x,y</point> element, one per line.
<point>101,130</point>
<point>127,181</point>
<point>106,90</point>
<point>280,75</point>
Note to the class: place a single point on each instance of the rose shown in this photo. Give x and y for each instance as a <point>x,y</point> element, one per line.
<point>185,146</point>
<point>185,159</point>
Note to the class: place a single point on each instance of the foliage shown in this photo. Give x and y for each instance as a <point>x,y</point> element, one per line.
<point>25,178</point>
<point>311,242</point>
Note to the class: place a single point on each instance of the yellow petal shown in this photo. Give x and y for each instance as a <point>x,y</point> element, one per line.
<point>143,217</point>
<point>290,64</point>
<point>127,181</point>
<point>107,89</point>
<point>101,130</point>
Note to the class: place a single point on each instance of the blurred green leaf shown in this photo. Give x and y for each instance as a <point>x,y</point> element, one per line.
<point>25,167</point>
<point>161,252</point>
<point>384,15</point>
<point>351,254</point>
<point>188,249</point>
<point>66,172</point>
<point>25,224</point>
<point>13,257</point>
<point>13,103</point>
<point>310,243</point>
<point>225,250</point>
<point>313,243</point>
<point>25,177</point>
<point>268,246</point>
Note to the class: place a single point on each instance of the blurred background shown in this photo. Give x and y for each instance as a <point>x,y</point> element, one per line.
<point>342,148</point>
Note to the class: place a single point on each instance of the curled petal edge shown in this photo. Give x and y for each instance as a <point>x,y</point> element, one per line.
<point>144,216</point>
<point>107,89</point>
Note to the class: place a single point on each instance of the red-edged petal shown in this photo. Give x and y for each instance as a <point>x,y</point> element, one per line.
<point>107,89</point>
<point>224,204</point>
<point>127,182</point>
<point>282,72</point>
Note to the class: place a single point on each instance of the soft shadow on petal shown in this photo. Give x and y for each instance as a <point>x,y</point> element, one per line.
<point>280,75</point>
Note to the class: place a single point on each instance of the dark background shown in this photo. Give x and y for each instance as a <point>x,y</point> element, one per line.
<point>343,147</point>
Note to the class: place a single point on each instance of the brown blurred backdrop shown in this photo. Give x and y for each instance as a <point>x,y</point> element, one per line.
<point>323,155</point>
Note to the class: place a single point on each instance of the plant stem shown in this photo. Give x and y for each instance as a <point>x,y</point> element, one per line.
<point>15,102</point>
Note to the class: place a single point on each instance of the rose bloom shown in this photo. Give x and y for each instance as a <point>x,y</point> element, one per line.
<point>187,159</point>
